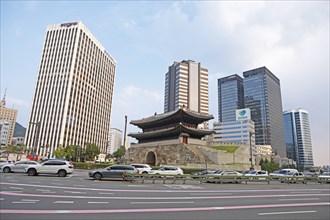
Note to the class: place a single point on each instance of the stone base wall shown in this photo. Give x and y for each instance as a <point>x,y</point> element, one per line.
<point>197,154</point>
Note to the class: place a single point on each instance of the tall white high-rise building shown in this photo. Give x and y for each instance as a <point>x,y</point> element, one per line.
<point>298,137</point>
<point>186,84</point>
<point>73,94</point>
<point>116,137</point>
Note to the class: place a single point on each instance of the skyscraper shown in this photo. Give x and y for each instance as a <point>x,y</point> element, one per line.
<point>186,84</point>
<point>230,97</point>
<point>298,138</point>
<point>73,94</point>
<point>262,94</point>
<point>7,123</point>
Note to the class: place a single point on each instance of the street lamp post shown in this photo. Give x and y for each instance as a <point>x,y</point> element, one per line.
<point>36,135</point>
<point>250,135</point>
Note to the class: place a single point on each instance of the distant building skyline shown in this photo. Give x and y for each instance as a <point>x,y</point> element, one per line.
<point>73,93</point>
<point>186,84</point>
<point>298,137</point>
<point>262,94</point>
<point>7,122</point>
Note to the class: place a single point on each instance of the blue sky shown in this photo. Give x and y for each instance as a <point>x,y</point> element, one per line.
<point>290,38</point>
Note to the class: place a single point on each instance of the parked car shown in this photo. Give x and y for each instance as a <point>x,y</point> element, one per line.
<point>2,163</point>
<point>112,172</point>
<point>18,166</point>
<point>324,177</point>
<point>204,172</point>
<point>59,167</point>
<point>142,168</point>
<point>257,173</point>
<point>168,170</point>
<point>227,174</point>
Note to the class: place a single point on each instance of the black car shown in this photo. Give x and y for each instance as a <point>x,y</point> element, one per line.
<point>112,172</point>
<point>203,172</point>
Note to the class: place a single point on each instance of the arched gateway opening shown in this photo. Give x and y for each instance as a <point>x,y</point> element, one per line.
<point>151,158</point>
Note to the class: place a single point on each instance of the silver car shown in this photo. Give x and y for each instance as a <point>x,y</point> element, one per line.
<point>112,172</point>
<point>18,166</point>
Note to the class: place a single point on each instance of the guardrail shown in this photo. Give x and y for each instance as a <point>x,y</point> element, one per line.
<point>153,178</point>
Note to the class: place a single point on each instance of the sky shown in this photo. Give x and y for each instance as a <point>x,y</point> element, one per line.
<point>290,38</point>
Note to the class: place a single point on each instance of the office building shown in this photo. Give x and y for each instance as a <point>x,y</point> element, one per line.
<point>116,139</point>
<point>7,123</point>
<point>298,137</point>
<point>230,97</point>
<point>262,94</point>
<point>73,93</point>
<point>186,85</point>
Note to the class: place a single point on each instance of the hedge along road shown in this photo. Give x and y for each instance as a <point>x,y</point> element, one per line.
<point>78,197</point>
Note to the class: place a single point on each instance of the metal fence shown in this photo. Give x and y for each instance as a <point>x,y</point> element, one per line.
<point>183,179</point>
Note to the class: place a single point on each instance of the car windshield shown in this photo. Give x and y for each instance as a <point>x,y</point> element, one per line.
<point>326,174</point>
<point>218,171</point>
<point>282,172</point>
<point>252,172</point>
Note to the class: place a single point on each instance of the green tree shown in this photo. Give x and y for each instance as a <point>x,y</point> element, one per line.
<point>269,166</point>
<point>60,152</point>
<point>71,152</point>
<point>92,151</point>
<point>120,152</point>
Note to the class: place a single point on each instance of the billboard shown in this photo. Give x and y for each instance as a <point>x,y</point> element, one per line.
<point>243,114</point>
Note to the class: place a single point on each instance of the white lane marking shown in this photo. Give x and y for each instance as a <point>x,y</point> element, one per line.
<point>75,192</point>
<point>285,213</point>
<point>162,202</point>
<point>13,191</point>
<point>60,184</point>
<point>34,182</point>
<point>63,211</point>
<point>299,199</point>
<point>208,194</point>
<point>15,187</point>
<point>43,190</point>
<point>304,192</point>
<point>30,200</point>
<point>1,199</point>
<point>23,202</point>
<point>98,202</point>
<point>101,193</point>
<point>63,202</point>
<point>47,192</point>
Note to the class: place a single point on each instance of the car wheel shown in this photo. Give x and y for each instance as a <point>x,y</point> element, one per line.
<point>62,173</point>
<point>6,170</point>
<point>97,176</point>
<point>144,172</point>
<point>32,172</point>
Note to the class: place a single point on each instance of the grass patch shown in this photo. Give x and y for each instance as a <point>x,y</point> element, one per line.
<point>228,149</point>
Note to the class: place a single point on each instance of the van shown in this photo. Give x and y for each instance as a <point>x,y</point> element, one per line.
<point>287,172</point>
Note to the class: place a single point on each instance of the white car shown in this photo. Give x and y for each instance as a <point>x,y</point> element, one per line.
<point>2,163</point>
<point>168,170</point>
<point>142,168</point>
<point>59,167</point>
<point>18,166</point>
<point>324,177</point>
<point>257,173</point>
<point>230,176</point>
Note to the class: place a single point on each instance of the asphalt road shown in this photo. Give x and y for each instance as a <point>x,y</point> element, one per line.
<point>79,197</point>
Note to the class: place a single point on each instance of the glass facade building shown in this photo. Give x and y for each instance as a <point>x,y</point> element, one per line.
<point>262,94</point>
<point>230,97</point>
<point>298,137</point>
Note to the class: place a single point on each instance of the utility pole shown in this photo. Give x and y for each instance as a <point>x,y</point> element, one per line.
<point>250,135</point>
<point>36,136</point>
<point>125,131</point>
